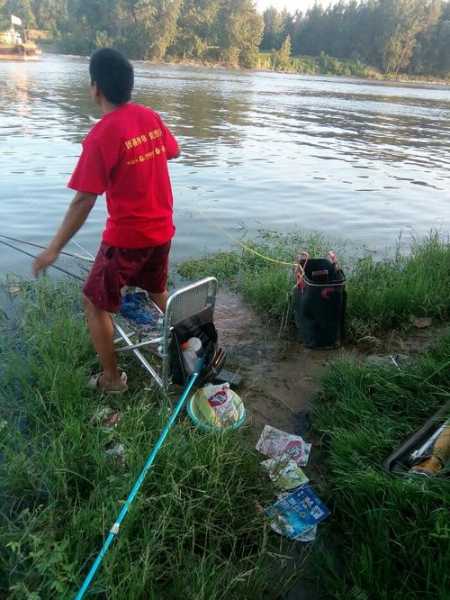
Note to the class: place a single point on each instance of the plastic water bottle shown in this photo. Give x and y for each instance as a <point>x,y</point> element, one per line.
<point>191,350</point>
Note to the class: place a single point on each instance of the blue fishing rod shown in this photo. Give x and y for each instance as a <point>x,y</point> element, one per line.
<point>114,531</point>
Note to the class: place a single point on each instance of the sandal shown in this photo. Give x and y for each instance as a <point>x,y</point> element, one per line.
<point>95,383</point>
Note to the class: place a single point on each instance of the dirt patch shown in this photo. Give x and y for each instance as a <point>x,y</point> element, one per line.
<point>280,381</point>
<point>280,378</point>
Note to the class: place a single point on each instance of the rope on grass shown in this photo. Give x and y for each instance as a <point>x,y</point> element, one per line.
<point>299,266</point>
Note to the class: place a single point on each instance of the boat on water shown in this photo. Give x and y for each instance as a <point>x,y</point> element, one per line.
<point>15,46</point>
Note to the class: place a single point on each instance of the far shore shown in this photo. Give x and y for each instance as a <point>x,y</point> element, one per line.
<point>374,75</point>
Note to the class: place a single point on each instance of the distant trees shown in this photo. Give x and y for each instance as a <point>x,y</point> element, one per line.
<point>241,31</point>
<point>394,36</point>
<point>49,13</point>
<point>274,27</point>
<point>229,30</point>
<point>197,32</point>
<point>403,21</point>
<point>20,8</point>
<point>282,57</point>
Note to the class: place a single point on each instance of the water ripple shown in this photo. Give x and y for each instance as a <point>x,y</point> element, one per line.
<point>357,159</point>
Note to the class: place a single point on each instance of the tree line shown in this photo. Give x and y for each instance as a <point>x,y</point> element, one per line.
<point>216,30</point>
<point>394,36</point>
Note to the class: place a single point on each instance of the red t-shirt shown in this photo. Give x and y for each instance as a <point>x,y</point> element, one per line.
<point>125,155</point>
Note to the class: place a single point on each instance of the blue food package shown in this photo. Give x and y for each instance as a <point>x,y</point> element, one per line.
<point>136,308</point>
<point>297,513</point>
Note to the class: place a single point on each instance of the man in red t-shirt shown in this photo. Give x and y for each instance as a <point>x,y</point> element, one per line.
<point>124,155</point>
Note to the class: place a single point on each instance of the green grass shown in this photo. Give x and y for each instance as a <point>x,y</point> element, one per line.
<point>193,532</point>
<point>382,294</point>
<point>314,65</point>
<point>392,534</point>
<point>266,286</point>
<point>386,294</point>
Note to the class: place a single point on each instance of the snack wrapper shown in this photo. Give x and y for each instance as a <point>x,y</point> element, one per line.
<point>295,515</point>
<point>275,443</point>
<point>284,472</point>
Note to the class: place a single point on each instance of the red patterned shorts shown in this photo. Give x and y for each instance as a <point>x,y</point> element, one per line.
<point>115,268</point>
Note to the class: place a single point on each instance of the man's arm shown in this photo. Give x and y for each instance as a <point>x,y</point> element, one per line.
<point>75,218</point>
<point>176,154</point>
<point>171,144</point>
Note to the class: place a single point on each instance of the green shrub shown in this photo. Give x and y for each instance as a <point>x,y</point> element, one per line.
<point>311,65</point>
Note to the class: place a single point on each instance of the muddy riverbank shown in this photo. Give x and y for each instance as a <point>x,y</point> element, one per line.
<point>281,377</point>
<point>281,383</point>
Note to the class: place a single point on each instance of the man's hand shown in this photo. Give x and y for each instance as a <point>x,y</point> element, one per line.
<point>75,217</point>
<point>43,261</point>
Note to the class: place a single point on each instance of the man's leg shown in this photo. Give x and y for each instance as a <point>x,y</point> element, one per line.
<point>155,273</point>
<point>102,333</point>
<point>160,299</point>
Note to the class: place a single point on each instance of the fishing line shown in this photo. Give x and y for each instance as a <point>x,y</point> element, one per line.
<point>60,269</point>
<point>37,96</point>
<point>34,245</point>
<point>80,247</point>
<point>244,246</point>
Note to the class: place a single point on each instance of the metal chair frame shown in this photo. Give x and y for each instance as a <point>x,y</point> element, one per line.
<point>181,305</point>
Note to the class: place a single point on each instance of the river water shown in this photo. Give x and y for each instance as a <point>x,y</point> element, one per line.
<point>356,160</point>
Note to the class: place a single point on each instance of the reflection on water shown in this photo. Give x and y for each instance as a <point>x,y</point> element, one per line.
<point>359,160</point>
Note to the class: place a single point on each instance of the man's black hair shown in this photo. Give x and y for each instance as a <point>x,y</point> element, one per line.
<point>113,74</point>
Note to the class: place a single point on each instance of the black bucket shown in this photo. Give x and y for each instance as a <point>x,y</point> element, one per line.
<point>320,303</point>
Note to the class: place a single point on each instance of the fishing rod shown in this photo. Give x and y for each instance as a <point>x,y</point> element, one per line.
<point>90,255</point>
<point>34,245</point>
<point>60,269</point>
<point>115,529</point>
<point>138,354</point>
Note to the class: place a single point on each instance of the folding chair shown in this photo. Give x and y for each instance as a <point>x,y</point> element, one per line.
<point>183,304</point>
